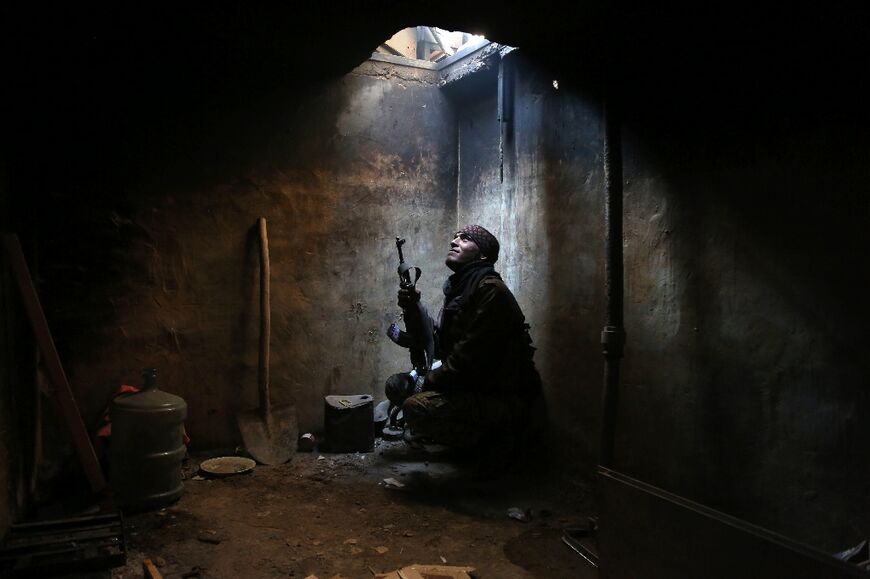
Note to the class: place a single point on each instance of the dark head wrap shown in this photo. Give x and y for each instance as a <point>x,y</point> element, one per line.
<point>485,240</point>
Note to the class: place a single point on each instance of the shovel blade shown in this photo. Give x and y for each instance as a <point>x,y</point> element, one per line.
<point>269,440</point>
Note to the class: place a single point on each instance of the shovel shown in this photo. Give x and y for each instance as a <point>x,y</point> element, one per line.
<point>269,433</point>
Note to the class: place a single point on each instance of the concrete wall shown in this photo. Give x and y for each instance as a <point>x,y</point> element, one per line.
<point>745,384</point>
<point>165,274</point>
<point>548,216</point>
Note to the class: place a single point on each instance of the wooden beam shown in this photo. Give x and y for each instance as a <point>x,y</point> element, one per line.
<point>63,400</point>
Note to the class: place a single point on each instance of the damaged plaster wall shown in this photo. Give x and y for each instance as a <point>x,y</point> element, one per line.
<point>165,273</point>
<point>547,214</point>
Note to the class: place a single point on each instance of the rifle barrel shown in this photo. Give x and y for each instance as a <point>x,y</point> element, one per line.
<point>399,244</point>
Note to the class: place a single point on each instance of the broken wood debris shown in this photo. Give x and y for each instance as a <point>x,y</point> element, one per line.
<point>430,572</point>
<point>150,570</point>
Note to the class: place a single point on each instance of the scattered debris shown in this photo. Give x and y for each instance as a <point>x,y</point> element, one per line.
<point>197,477</point>
<point>83,543</point>
<point>381,550</point>
<point>350,542</point>
<point>209,536</point>
<point>307,442</point>
<point>519,514</point>
<point>429,571</point>
<point>443,559</point>
<point>392,483</point>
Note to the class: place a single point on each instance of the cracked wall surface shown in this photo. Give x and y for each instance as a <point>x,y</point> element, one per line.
<point>167,275</point>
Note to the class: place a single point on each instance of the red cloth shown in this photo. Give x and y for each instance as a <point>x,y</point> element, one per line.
<point>104,432</point>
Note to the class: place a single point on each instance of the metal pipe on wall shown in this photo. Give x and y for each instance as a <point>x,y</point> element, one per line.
<point>505,107</point>
<point>613,335</point>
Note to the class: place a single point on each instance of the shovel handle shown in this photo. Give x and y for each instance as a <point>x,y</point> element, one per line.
<point>265,321</point>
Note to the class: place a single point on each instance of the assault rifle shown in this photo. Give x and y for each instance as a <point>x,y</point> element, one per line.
<point>419,335</point>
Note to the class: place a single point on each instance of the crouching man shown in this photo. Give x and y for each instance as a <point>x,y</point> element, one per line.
<point>481,394</point>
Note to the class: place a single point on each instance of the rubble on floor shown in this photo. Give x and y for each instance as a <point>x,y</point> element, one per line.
<point>333,515</point>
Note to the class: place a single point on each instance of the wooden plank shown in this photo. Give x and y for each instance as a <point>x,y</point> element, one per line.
<point>430,572</point>
<point>63,399</point>
<point>150,570</point>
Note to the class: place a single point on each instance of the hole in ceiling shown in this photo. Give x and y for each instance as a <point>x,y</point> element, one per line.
<point>429,43</point>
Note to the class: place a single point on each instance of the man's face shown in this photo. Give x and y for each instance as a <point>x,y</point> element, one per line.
<point>462,250</point>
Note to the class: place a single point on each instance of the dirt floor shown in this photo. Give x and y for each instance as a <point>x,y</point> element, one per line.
<point>332,515</point>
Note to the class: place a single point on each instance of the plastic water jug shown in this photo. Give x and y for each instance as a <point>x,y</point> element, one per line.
<point>146,448</point>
